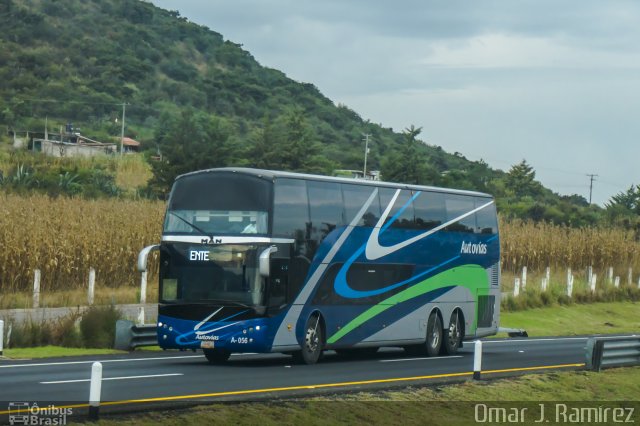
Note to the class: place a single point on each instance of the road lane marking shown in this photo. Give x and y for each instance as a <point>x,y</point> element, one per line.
<point>111,378</point>
<point>419,359</point>
<point>325,385</point>
<point>43,364</point>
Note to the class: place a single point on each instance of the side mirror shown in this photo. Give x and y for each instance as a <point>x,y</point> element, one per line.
<point>264,262</point>
<point>143,255</point>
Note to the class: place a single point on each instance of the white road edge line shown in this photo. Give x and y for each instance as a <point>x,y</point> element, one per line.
<point>112,378</point>
<point>484,342</point>
<point>419,359</point>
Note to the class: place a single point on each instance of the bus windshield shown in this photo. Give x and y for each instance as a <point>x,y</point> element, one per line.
<point>219,204</point>
<point>221,274</point>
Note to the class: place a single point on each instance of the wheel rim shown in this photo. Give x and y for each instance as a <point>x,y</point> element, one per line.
<point>454,331</point>
<point>435,335</point>
<point>312,339</point>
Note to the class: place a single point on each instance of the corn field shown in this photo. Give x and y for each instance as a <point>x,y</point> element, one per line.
<point>538,245</point>
<point>65,237</point>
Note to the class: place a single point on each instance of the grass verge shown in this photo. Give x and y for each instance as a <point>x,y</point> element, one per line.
<point>595,318</point>
<point>56,351</point>
<point>450,405</point>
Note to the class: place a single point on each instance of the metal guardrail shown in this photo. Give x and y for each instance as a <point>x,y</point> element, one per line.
<point>608,352</point>
<point>130,336</point>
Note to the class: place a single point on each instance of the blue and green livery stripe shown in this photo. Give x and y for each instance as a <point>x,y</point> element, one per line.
<point>472,277</point>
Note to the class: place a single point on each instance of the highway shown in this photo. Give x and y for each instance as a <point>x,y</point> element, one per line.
<point>170,377</point>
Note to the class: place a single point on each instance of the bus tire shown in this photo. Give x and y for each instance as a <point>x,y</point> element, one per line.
<point>216,356</point>
<point>313,341</point>
<point>452,336</point>
<point>434,334</point>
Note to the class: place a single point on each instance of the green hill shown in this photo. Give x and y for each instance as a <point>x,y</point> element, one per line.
<point>203,101</point>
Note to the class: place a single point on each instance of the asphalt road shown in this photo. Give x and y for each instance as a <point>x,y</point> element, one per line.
<point>168,377</point>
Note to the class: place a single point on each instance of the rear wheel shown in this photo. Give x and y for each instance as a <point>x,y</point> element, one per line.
<point>313,342</point>
<point>216,356</point>
<point>452,335</point>
<point>434,334</point>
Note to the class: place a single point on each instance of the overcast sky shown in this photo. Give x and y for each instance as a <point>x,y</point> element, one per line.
<point>554,82</point>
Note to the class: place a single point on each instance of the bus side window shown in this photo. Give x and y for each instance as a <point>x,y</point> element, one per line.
<point>429,209</point>
<point>278,283</point>
<point>403,207</point>
<point>355,196</point>
<point>291,212</point>
<point>458,205</point>
<point>325,208</point>
<point>298,270</point>
<point>487,220</point>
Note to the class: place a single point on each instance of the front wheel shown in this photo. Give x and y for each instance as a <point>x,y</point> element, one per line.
<point>216,356</point>
<point>434,334</point>
<point>313,342</point>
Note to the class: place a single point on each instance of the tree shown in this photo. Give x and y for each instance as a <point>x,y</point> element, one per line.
<point>521,180</point>
<point>625,203</point>
<point>408,165</point>
<point>190,141</point>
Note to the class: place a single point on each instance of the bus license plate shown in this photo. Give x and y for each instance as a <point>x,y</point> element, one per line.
<point>207,344</point>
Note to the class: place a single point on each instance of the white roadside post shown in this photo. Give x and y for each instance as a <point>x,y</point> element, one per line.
<point>1,336</point>
<point>589,274</point>
<point>524,278</point>
<point>516,287</point>
<point>569,275</point>
<point>616,282</point>
<point>545,283</point>
<point>548,274</point>
<point>36,288</point>
<point>594,278</point>
<point>95,390</point>
<point>570,286</point>
<point>477,360</point>
<point>92,286</point>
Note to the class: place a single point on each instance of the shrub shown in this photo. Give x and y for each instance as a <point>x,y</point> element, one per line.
<point>97,326</point>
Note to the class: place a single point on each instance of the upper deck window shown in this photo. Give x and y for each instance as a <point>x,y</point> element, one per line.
<point>218,204</point>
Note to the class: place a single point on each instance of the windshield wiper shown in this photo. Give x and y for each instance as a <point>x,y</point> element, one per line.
<point>191,224</point>
<point>231,302</point>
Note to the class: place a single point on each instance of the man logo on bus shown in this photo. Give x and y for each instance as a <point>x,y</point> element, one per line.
<point>211,241</point>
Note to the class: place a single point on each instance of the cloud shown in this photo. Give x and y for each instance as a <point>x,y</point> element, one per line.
<point>553,82</point>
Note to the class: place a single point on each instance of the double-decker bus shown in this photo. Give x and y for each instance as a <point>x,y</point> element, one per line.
<point>267,261</point>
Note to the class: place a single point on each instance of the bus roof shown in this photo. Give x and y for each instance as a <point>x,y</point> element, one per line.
<point>272,175</point>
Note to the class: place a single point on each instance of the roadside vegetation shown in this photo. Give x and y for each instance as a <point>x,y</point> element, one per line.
<point>441,405</point>
<point>92,328</point>
<point>577,319</point>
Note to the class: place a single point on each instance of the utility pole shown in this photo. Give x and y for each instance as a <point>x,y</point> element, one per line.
<point>124,108</point>
<point>366,152</point>
<point>592,177</point>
